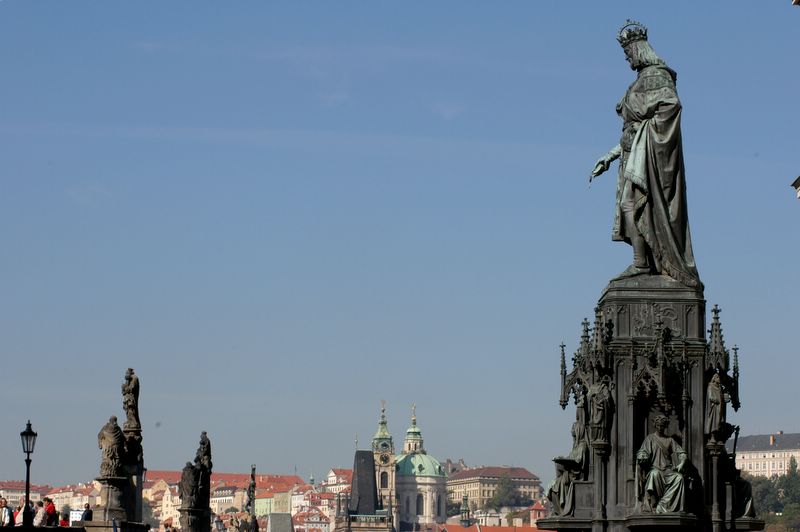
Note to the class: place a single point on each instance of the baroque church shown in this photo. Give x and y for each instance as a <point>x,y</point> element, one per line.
<point>412,483</point>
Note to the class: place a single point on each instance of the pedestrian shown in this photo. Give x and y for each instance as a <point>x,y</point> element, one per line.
<point>87,513</point>
<point>64,519</point>
<point>6,515</point>
<point>40,518</point>
<point>52,514</point>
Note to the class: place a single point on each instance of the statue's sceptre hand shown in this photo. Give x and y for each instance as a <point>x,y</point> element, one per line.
<point>605,161</point>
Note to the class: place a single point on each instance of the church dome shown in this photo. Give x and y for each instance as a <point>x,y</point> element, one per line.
<point>419,465</point>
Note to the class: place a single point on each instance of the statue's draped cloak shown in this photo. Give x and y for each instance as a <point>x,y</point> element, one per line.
<point>661,479</point>
<point>652,164</point>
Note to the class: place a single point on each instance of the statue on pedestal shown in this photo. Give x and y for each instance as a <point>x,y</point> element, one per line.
<point>651,208</point>
<point>600,405</point>
<point>715,408</point>
<point>130,400</point>
<point>189,486</point>
<point>111,441</point>
<point>195,489</point>
<point>661,462</point>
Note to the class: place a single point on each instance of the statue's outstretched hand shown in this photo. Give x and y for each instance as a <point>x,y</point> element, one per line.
<point>600,166</point>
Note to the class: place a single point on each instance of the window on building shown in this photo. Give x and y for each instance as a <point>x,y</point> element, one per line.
<point>420,504</point>
<point>384,479</point>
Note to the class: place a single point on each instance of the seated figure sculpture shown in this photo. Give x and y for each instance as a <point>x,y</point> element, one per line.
<point>560,491</point>
<point>661,463</point>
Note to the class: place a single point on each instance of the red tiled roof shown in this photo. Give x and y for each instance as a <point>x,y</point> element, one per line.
<point>239,480</point>
<point>493,472</point>
<point>508,529</point>
<point>20,485</point>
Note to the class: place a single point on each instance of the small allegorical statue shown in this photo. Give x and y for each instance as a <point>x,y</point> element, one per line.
<point>560,492</point>
<point>715,407</point>
<point>203,455</point>
<point>189,485</point>
<point>600,408</point>
<point>130,400</point>
<point>111,441</point>
<point>651,189</point>
<point>661,462</point>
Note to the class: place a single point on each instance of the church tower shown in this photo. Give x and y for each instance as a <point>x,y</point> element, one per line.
<point>413,441</point>
<point>385,463</point>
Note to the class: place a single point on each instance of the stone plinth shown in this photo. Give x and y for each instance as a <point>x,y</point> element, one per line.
<point>656,522</point>
<point>111,526</point>
<point>195,519</point>
<point>113,493</point>
<point>636,304</point>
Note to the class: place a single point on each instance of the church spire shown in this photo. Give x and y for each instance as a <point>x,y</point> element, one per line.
<point>413,441</point>
<point>382,440</point>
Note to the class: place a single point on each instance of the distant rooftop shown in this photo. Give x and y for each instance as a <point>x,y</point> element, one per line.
<point>767,442</point>
<point>493,472</point>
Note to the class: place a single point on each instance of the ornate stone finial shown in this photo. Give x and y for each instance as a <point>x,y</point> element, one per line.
<point>356,441</point>
<point>563,357</point>
<point>630,32</point>
<point>716,342</point>
<point>597,331</point>
<point>414,414</point>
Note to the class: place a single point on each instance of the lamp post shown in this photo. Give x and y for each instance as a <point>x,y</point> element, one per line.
<point>28,438</point>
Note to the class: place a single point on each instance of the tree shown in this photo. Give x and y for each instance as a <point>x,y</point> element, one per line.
<point>147,516</point>
<point>66,509</point>
<point>504,494</point>
<point>452,508</point>
<point>765,494</point>
<point>789,484</point>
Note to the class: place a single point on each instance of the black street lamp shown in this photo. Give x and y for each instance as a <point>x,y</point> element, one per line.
<point>28,438</point>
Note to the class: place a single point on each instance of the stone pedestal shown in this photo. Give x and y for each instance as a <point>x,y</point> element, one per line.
<point>195,519</point>
<point>113,491</point>
<point>648,347</point>
<point>134,467</point>
<point>112,526</point>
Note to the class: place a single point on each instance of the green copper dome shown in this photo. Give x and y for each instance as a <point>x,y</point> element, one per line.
<point>419,465</point>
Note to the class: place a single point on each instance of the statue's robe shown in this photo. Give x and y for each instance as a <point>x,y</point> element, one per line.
<point>652,166</point>
<point>561,490</point>
<point>662,484</point>
<point>715,407</point>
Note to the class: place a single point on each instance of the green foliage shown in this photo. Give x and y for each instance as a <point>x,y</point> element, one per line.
<point>147,516</point>
<point>452,508</point>
<point>765,494</point>
<point>777,499</point>
<point>505,495</point>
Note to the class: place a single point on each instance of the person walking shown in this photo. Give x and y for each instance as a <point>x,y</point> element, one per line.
<point>52,514</point>
<point>6,515</point>
<point>87,513</point>
<point>40,517</point>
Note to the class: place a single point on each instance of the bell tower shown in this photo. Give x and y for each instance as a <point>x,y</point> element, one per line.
<point>385,463</point>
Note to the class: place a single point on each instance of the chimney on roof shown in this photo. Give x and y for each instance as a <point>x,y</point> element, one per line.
<point>771,440</point>
<point>780,433</point>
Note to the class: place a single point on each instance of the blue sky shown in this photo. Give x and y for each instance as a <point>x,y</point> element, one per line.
<point>281,213</point>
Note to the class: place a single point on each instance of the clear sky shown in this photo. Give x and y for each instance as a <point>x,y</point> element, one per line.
<point>280,213</point>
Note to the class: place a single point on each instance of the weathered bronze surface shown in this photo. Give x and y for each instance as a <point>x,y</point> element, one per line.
<point>649,387</point>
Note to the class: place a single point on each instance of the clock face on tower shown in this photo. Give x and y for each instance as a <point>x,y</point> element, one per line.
<point>384,458</point>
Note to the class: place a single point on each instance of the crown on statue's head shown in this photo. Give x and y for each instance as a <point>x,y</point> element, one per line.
<point>630,32</point>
